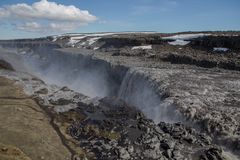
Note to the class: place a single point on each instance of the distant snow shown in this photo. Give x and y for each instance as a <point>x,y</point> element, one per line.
<point>100,34</point>
<point>220,49</point>
<point>74,40</point>
<point>54,38</point>
<point>95,48</point>
<point>142,47</point>
<point>185,36</point>
<point>78,37</point>
<point>91,41</point>
<point>179,42</point>
<point>83,43</point>
<point>118,33</point>
<point>182,39</point>
<point>23,52</point>
<point>91,38</point>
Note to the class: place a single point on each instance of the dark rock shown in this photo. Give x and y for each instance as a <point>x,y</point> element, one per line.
<point>213,154</point>
<point>42,91</point>
<point>5,65</point>
<point>123,154</point>
<point>4,149</point>
<point>167,144</point>
<point>65,89</point>
<point>60,101</point>
<point>167,153</point>
<point>208,42</point>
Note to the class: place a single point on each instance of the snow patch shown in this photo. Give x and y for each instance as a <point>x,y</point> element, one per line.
<point>95,48</point>
<point>185,36</point>
<point>83,43</point>
<point>75,40</point>
<point>100,34</point>
<point>142,47</point>
<point>179,42</point>
<point>91,41</point>
<point>220,49</point>
<point>115,33</point>
<point>54,38</point>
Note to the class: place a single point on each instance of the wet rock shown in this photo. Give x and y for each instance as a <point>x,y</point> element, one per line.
<point>130,149</point>
<point>168,154</point>
<point>152,154</point>
<point>140,138</point>
<point>189,138</point>
<point>5,65</point>
<point>123,154</point>
<point>42,91</point>
<point>213,154</point>
<point>60,101</point>
<point>205,138</point>
<point>167,144</point>
<point>177,154</point>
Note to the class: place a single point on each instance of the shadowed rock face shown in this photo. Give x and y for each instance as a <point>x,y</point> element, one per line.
<point>121,42</point>
<point>34,44</point>
<point>209,42</point>
<point>201,62</point>
<point>5,65</point>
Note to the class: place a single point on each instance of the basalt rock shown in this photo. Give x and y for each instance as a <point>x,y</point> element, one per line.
<point>125,136</point>
<point>5,65</point>
<point>209,42</point>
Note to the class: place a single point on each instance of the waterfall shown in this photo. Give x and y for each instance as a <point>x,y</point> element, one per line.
<point>137,90</point>
<point>97,78</point>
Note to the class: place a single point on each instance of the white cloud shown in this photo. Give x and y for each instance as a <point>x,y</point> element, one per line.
<point>48,14</point>
<point>51,27</point>
<point>30,26</point>
<point>64,26</point>
<point>3,13</point>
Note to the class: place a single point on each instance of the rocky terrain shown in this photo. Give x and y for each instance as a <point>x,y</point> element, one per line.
<point>121,96</point>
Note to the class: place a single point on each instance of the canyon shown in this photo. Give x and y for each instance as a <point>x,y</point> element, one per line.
<point>130,95</point>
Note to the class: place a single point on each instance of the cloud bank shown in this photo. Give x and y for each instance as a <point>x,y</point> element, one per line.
<point>44,15</point>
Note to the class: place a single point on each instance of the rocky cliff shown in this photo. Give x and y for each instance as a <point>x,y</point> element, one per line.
<point>123,96</point>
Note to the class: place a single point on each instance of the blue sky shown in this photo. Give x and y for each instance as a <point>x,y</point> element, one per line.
<point>118,15</point>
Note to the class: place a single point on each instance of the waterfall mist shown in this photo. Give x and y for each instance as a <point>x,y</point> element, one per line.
<point>77,72</point>
<point>137,91</point>
<point>97,78</point>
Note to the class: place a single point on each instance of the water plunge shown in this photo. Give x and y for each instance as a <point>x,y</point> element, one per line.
<point>98,78</point>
